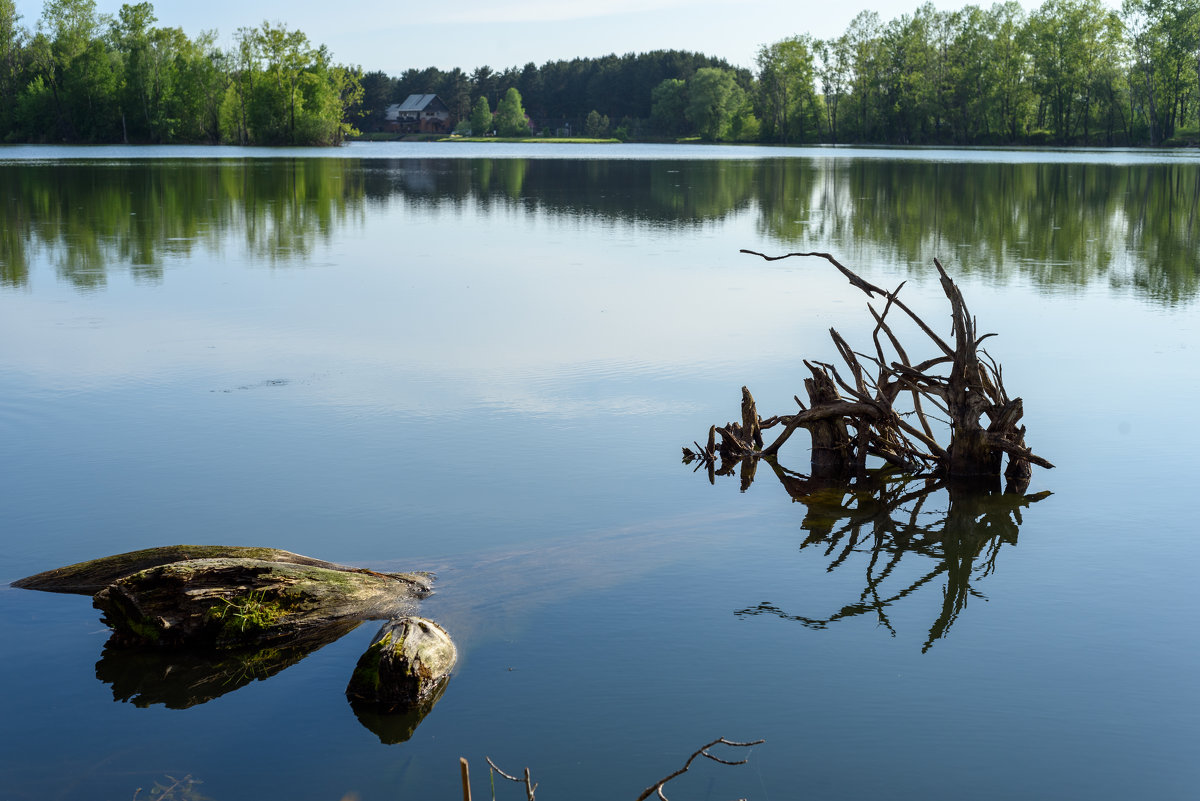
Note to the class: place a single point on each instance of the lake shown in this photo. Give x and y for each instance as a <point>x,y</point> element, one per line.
<point>484,361</point>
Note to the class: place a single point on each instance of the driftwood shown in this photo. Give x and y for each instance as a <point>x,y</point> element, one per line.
<point>232,603</point>
<point>88,578</point>
<point>230,597</point>
<point>885,405</point>
<point>192,622</point>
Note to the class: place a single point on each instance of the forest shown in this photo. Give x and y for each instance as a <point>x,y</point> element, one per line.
<point>1072,72</point>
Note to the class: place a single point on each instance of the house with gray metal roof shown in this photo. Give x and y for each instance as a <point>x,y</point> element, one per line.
<point>419,114</point>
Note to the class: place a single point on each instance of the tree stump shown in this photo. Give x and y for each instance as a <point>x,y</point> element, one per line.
<point>405,664</point>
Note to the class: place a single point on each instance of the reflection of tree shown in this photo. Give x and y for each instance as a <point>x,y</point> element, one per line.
<point>879,520</point>
<point>87,218</point>
<point>1055,223</point>
<point>1059,224</point>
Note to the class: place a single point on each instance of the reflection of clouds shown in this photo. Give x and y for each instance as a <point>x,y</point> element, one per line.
<point>522,312</point>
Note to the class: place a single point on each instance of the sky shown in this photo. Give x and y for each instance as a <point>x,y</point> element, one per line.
<point>394,36</point>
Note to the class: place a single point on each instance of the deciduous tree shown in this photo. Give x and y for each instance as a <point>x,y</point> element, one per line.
<point>510,115</point>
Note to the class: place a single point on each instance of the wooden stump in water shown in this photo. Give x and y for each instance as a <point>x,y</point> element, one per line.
<point>405,664</point>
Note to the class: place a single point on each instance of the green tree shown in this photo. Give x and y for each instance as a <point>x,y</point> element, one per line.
<point>787,97</point>
<point>510,115</point>
<point>863,39</point>
<point>11,37</point>
<point>596,125</point>
<point>78,69</point>
<point>668,112</point>
<point>835,71</point>
<point>481,117</point>
<point>288,58</point>
<point>1007,73</point>
<point>1165,38</point>
<point>714,98</point>
<point>1070,41</point>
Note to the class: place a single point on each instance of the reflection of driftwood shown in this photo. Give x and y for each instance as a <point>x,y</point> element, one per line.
<point>850,418</point>
<point>179,679</point>
<point>395,727</point>
<point>886,516</point>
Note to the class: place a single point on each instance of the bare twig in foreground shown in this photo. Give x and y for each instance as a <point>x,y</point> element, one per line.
<point>530,786</point>
<point>703,751</point>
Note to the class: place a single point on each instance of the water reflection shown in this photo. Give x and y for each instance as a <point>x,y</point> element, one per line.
<point>178,679</point>
<point>906,535</point>
<point>1055,223</point>
<point>393,728</point>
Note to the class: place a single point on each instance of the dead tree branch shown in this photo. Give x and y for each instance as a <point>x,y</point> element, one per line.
<point>858,414</point>
<point>530,786</point>
<point>657,787</point>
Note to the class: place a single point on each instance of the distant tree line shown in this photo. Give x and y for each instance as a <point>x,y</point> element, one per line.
<point>558,96</point>
<point>84,77</point>
<point>1071,72</point>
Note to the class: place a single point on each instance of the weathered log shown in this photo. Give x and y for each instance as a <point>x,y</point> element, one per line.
<point>404,665</point>
<point>88,578</point>
<point>234,602</point>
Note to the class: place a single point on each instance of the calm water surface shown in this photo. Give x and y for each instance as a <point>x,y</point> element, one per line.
<point>484,362</point>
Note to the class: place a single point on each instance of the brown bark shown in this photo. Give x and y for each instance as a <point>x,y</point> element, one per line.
<point>88,578</point>
<point>230,603</point>
<point>961,382</point>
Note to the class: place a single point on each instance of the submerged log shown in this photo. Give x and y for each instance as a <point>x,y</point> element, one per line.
<point>88,578</point>
<point>236,602</point>
<point>406,664</point>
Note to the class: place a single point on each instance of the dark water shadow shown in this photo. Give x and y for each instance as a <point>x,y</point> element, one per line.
<point>397,727</point>
<point>179,679</point>
<point>894,526</point>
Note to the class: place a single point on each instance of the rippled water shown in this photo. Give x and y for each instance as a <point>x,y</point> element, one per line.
<point>484,362</point>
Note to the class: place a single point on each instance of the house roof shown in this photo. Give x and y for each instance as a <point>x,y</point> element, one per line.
<point>416,102</point>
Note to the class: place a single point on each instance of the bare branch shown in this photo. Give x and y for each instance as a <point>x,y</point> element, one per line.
<point>657,787</point>
<point>530,786</point>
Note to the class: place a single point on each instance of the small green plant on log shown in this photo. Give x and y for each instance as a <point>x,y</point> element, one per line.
<point>251,611</point>
<point>882,405</point>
